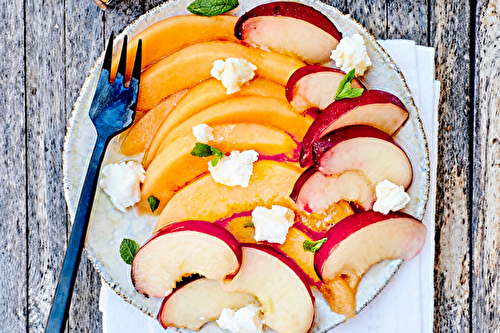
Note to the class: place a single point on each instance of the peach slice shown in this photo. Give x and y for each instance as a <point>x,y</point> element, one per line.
<point>174,33</point>
<point>279,286</point>
<point>139,136</point>
<point>315,86</point>
<point>164,77</point>
<point>375,108</point>
<point>364,149</point>
<point>204,199</point>
<point>361,240</point>
<point>248,109</point>
<point>174,166</point>
<point>182,249</point>
<point>205,94</point>
<point>199,302</point>
<point>315,193</point>
<point>290,28</point>
<point>340,296</point>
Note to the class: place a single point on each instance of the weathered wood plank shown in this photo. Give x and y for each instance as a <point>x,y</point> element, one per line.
<point>486,171</point>
<point>13,284</point>
<point>46,125</point>
<point>82,50</point>
<point>372,14</point>
<point>450,36</point>
<point>408,20</point>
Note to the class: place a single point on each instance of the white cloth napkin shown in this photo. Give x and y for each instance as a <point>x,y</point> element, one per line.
<point>407,303</point>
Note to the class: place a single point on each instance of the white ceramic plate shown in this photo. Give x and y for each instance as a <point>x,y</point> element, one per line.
<point>108,226</point>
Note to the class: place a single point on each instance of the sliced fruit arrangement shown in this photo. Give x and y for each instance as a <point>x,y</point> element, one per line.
<point>315,87</point>
<point>206,227</point>
<point>290,28</point>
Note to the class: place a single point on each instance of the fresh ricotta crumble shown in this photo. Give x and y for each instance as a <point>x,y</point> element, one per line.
<point>203,133</point>
<point>235,169</point>
<point>272,225</point>
<point>121,182</point>
<point>233,73</point>
<point>390,197</point>
<point>351,53</point>
<point>245,320</point>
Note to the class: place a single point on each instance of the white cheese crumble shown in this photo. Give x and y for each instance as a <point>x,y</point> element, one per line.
<point>272,224</point>
<point>245,320</point>
<point>203,133</point>
<point>390,197</point>
<point>233,73</point>
<point>235,169</point>
<point>351,53</point>
<point>121,182</point>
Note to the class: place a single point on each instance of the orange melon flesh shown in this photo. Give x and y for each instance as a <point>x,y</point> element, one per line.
<point>321,223</point>
<point>294,249</point>
<point>236,226</point>
<point>174,33</point>
<point>140,135</point>
<point>248,109</point>
<point>175,167</point>
<point>270,184</point>
<point>196,61</point>
<point>205,94</point>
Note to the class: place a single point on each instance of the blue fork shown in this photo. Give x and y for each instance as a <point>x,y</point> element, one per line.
<point>112,111</point>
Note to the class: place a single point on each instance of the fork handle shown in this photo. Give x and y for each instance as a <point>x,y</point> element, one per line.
<point>62,297</point>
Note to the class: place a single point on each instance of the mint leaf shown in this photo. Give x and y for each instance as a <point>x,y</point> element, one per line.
<point>153,203</point>
<point>128,250</point>
<point>248,224</point>
<point>212,7</point>
<point>313,246</point>
<point>345,89</point>
<point>202,150</point>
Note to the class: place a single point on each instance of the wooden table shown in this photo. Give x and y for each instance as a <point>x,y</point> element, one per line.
<point>49,46</point>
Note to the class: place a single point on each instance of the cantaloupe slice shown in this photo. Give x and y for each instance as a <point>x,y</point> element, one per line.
<point>191,65</point>
<point>249,109</point>
<point>205,94</point>
<point>138,138</point>
<point>174,33</point>
<point>174,166</point>
<point>204,199</point>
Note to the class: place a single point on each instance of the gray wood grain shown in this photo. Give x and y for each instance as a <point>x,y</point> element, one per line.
<point>450,36</point>
<point>408,20</point>
<point>372,14</point>
<point>82,50</point>
<point>46,124</point>
<point>13,268</point>
<point>486,177</point>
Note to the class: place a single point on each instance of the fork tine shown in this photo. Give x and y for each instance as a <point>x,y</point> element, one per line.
<point>109,53</point>
<point>136,73</point>
<point>122,66</point>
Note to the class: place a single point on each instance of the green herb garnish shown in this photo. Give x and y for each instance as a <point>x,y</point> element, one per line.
<point>248,224</point>
<point>313,246</point>
<point>203,150</point>
<point>153,203</point>
<point>345,90</point>
<point>128,250</point>
<point>212,7</point>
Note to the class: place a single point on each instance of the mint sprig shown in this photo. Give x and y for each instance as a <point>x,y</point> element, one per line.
<point>153,203</point>
<point>212,7</point>
<point>312,246</point>
<point>345,89</point>
<point>128,250</point>
<point>248,224</point>
<point>204,150</point>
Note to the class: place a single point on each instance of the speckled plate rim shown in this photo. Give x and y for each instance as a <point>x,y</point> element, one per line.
<point>168,9</point>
